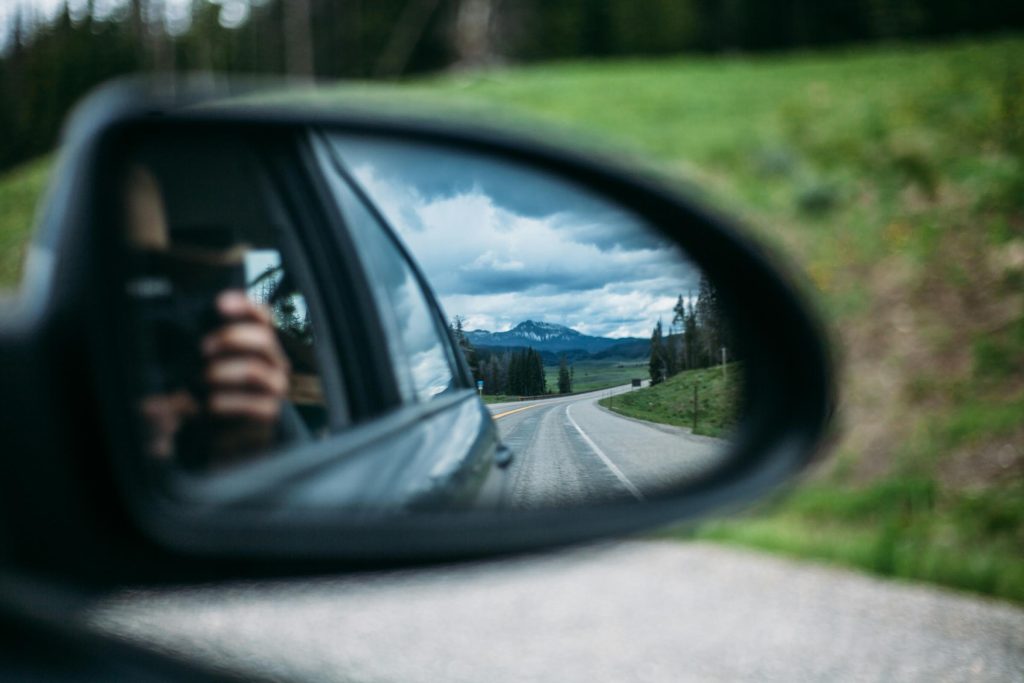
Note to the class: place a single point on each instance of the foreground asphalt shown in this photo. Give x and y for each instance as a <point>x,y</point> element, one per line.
<point>630,611</point>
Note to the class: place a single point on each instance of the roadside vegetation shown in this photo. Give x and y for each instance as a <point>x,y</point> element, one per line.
<point>590,375</point>
<point>893,177</point>
<point>587,375</point>
<point>703,401</point>
<point>902,526</point>
<point>498,398</point>
<point>20,190</point>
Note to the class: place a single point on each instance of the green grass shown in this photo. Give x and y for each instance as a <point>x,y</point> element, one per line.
<point>712,391</point>
<point>892,178</point>
<point>591,375</point>
<point>905,528</point>
<point>499,398</point>
<point>20,190</point>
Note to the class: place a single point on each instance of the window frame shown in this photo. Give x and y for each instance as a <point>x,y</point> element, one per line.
<point>341,283</point>
<point>297,242</point>
<point>461,377</point>
<point>294,249</point>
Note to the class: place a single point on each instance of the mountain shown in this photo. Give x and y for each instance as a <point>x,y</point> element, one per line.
<point>549,337</point>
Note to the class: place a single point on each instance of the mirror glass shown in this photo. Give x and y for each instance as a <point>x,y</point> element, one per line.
<point>392,326</point>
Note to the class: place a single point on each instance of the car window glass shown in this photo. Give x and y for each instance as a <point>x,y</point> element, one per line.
<point>270,286</point>
<point>415,338</point>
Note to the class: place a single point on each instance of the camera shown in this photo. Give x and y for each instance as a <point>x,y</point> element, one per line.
<point>172,294</point>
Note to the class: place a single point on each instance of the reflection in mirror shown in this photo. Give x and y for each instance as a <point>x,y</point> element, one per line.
<point>223,370</point>
<point>527,343</point>
<point>602,353</point>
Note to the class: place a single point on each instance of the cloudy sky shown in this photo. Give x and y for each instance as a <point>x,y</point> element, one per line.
<point>501,243</point>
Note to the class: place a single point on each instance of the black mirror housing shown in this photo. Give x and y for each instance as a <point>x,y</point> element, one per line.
<point>71,477</point>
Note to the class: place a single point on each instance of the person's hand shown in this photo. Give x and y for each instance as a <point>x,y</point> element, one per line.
<point>246,374</point>
<point>164,415</point>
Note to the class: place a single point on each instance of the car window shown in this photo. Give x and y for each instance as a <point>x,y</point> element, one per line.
<point>226,358</point>
<point>270,285</point>
<point>418,345</point>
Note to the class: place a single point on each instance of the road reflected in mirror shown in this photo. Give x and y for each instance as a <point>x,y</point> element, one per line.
<point>601,351</point>
<point>585,448</point>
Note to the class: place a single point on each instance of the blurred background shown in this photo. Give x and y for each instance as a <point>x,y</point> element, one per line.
<point>877,145</point>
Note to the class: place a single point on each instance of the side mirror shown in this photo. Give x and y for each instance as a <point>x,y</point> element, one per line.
<point>264,334</point>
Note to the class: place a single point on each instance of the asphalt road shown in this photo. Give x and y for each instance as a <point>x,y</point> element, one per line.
<point>646,611</point>
<point>570,451</point>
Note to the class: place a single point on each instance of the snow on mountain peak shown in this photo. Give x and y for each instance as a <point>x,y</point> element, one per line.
<point>531,329</point>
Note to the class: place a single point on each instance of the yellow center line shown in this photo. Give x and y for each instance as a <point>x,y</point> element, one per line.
<point>517,410</point>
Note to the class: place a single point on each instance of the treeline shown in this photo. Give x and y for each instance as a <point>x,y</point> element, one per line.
<point>513,372</point>
<point>537,29</point>
<point>698,337</point>
<point>48,65</point>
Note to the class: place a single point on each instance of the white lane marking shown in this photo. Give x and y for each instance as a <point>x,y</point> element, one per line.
<point>604,458</point>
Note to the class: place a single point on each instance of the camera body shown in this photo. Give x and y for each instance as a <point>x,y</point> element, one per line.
<point>172,293</point>
<point>173,297</point>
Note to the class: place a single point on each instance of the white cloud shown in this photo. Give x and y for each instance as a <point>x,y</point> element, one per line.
<point>498,267</point>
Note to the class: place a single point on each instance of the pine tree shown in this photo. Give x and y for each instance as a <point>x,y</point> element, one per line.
<point>504,372</point>
<point>515,374</point>
<point>491,371</point>
<point>673,363</point>
<point>679,316</point>
<point>457,329</point>
<point>564,378</point>
<point>656,365</point>
<point>536,384</point>
<point>690,341</point>
<point>675,356</point>
<point>709,322</point>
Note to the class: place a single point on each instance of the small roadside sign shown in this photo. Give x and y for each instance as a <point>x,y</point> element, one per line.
<point>479,386</point>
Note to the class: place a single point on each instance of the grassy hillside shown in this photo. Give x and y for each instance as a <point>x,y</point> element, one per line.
<point>20,190</point>
<point>710,393</point>
<point>892,177</point>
